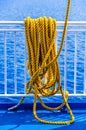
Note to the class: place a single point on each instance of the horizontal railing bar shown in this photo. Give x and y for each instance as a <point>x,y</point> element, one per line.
<point>72,95</point>
<point>58,22</point>
<point>11,30</point>
<point>58,30</point>
<point>20,95</point>
<point>61,23</point>
<point>72,30</point>
<point>11,22</point>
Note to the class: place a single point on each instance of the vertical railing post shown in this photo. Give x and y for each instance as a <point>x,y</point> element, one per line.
<point>15,65</point>
<point>85,66</point>
<point>5,64</point>
<point>25,55</point>
<point>65,65</point>
<point>75,63</point>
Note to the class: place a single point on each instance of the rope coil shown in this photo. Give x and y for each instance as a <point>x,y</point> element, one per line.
<point>43,64</point>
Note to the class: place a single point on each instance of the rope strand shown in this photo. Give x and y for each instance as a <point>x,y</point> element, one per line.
<point>43,64</point>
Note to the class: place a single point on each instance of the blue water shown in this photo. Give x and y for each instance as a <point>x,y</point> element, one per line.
<point>18,10</point>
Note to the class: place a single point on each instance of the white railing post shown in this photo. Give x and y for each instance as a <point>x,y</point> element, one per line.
<point>75,63</point>
<point>85,66</point>
<point>65,65</point>
<point>15,64</point>
<point>25,55</point>
<point>5,64</point>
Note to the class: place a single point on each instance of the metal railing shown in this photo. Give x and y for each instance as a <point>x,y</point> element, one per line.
<point>74,28</point>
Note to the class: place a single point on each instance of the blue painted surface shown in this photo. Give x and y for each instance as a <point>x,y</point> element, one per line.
<point>24,119</point>
<point>29,106</point>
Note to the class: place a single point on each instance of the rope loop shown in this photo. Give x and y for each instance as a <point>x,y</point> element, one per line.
<point>43,62</point>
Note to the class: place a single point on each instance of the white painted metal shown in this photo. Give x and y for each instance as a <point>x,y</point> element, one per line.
<point>59,30</point>
<point>85,66</point>
<point>75,63</point>
<point>5,64</point>
<point>15,65</point>
<point>25,54</point>
<point>65,64</point>
<point>20,95</point>
<point>58,22</point>
<point>11,30</point>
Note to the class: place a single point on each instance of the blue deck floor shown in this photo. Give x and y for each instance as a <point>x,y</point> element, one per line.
<point>23,119</point>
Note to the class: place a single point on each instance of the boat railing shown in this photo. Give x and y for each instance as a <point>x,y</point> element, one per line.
<point>74,28</point>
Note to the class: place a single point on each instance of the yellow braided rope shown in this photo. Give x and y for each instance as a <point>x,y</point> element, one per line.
<point>42,64</point>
